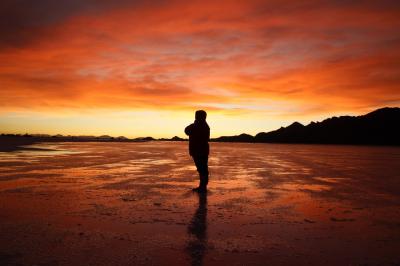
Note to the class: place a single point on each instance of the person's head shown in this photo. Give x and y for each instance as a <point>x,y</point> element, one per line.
<point>201,115</point>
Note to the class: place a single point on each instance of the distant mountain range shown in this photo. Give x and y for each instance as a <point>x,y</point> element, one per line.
<point>380,127</point>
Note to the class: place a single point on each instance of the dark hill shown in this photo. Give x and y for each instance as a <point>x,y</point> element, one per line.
<point>238,138</point>
<point>378,127</point>
<point>176,138</point>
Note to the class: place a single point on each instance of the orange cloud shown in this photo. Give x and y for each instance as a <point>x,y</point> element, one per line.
<point>254,56</point>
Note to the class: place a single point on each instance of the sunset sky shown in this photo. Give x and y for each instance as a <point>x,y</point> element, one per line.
<point>141,68</point>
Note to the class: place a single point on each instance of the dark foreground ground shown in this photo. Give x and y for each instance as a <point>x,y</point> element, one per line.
<point>131,204</point>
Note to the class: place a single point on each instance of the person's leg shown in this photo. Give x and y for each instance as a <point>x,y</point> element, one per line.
<point>203,171</point>
<point>197,162</point>
<point>201,163</point>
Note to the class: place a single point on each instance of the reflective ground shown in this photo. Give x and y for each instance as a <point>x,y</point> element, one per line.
<point>131,204</point>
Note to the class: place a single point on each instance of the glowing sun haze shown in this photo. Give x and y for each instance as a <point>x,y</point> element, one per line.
<point>137,68</point>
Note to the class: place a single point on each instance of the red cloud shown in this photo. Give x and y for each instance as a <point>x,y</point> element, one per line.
<point>178,55</point>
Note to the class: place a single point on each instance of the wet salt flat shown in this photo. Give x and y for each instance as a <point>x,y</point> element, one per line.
<point>131,204</point>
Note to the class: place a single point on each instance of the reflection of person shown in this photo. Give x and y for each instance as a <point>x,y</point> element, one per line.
<point>197,230</point>
<point>199,135</point>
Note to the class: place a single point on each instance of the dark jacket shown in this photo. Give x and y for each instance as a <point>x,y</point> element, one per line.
<point>199,135</point>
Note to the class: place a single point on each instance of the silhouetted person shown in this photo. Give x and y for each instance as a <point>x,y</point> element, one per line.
<point>199,135</point>
<point>197,230</point>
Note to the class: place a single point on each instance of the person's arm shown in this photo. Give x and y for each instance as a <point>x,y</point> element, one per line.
<point>189,129</point>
